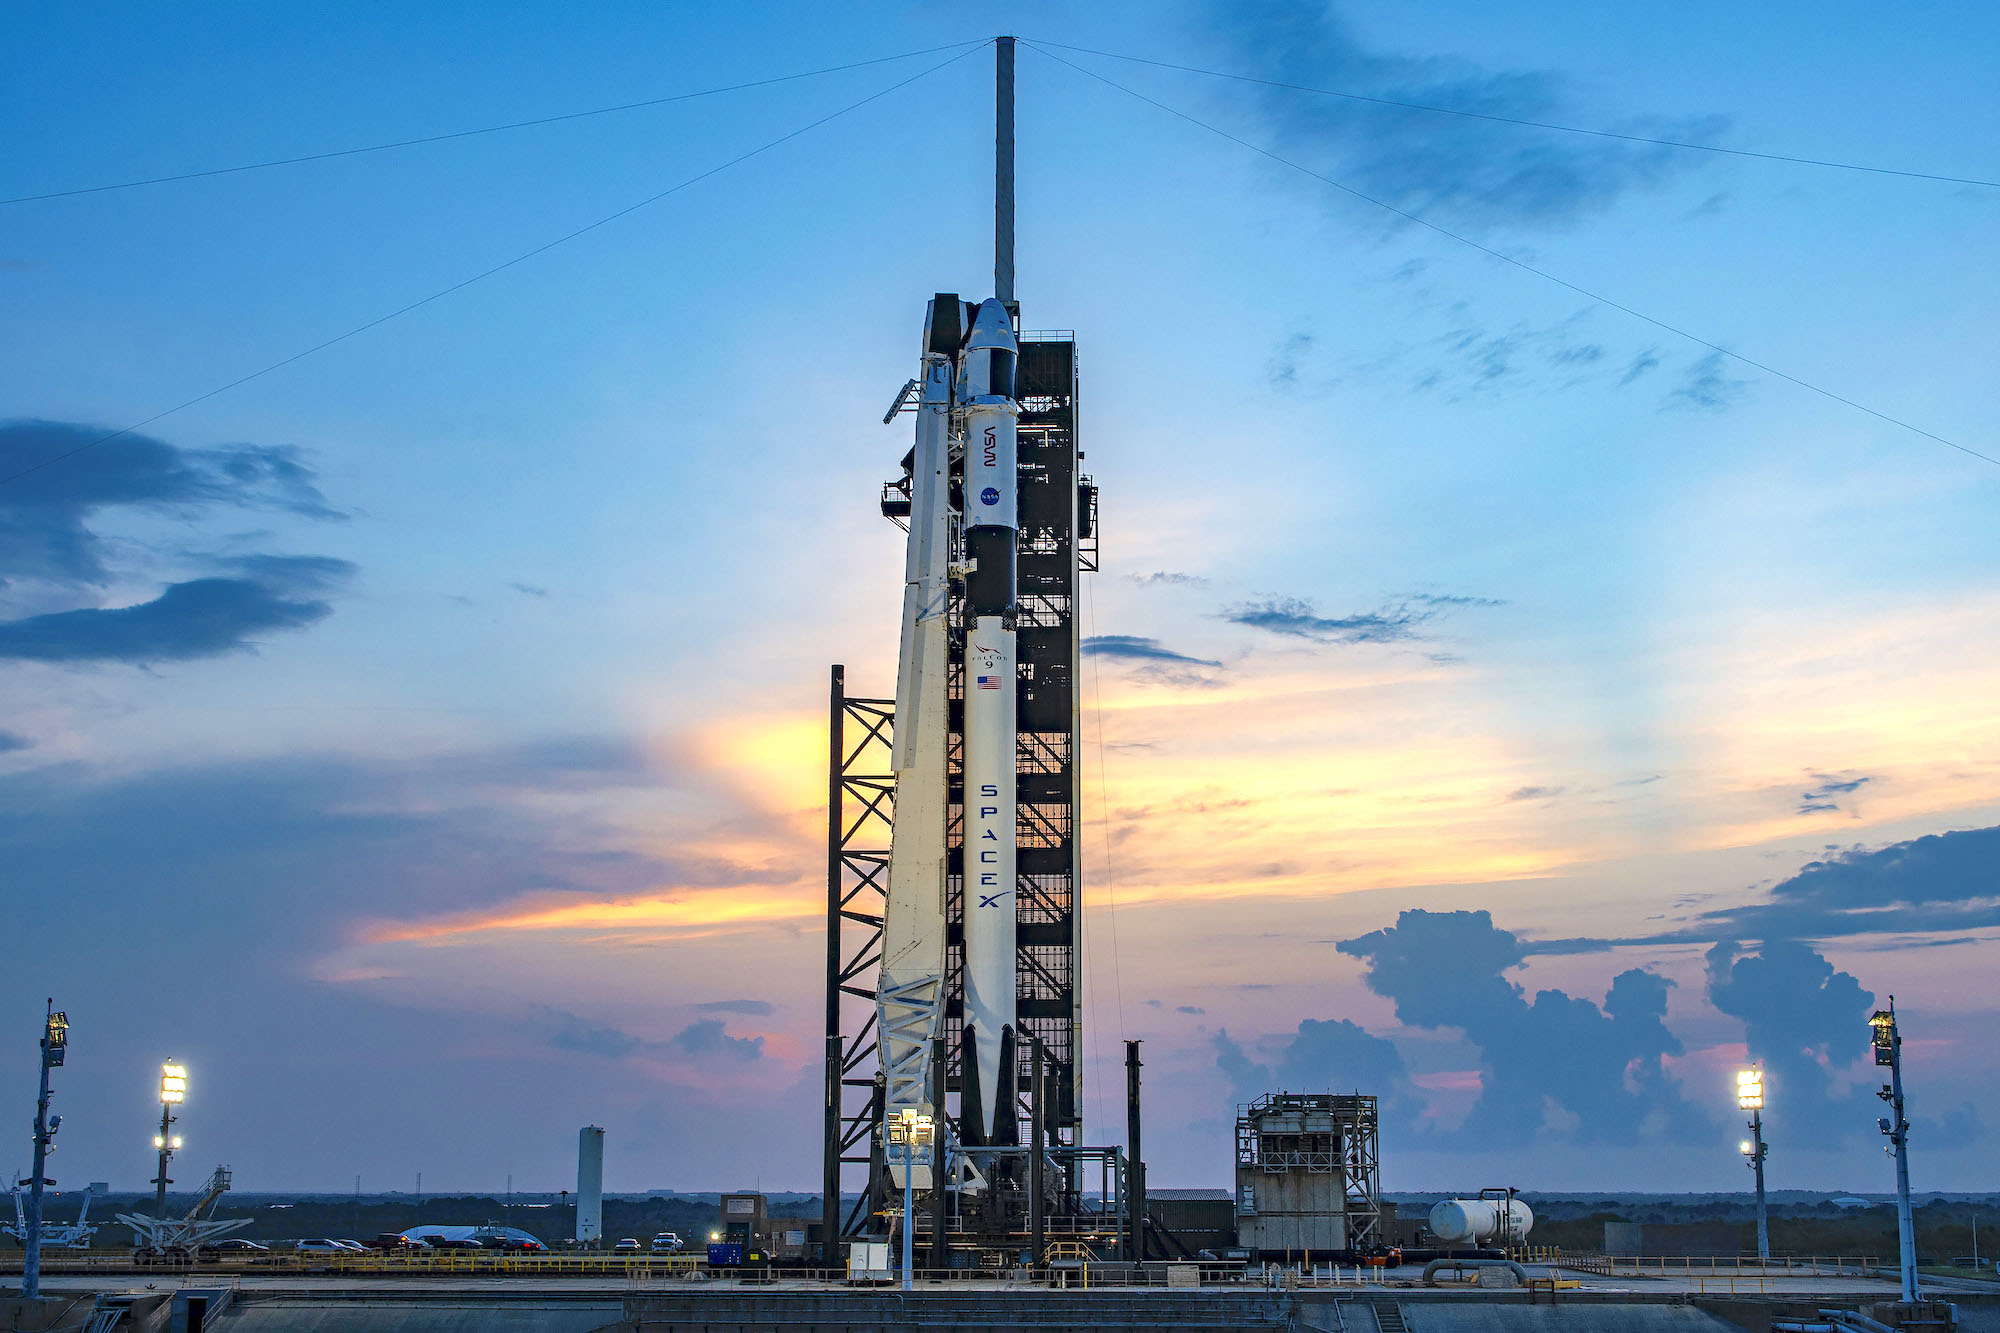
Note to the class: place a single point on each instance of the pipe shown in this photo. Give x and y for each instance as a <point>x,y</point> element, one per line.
<point>1135,1169</point>
<point>1436,1266</point>
<point>1037,1167</point>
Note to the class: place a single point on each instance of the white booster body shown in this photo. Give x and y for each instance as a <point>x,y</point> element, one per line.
<point>1480,1221</point>
<point>991,520</point>
<point>589,1185</point>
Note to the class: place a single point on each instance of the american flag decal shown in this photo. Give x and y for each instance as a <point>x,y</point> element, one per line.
<point>989,682</point>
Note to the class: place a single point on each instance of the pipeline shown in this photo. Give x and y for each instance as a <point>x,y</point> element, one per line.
<point>1435,1266</point>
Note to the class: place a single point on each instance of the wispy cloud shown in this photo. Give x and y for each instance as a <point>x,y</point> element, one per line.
<point>1163,578</point>
<point>1134,648</point>
<point>1294,617</point>
<point>1449,168</point>
<point>1825,794</point>
<point>1706,386</point>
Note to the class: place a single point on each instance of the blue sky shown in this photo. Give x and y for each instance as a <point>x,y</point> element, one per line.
<point>421,741</point>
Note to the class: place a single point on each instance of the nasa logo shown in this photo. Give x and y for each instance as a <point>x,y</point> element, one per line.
<point>990,496</point>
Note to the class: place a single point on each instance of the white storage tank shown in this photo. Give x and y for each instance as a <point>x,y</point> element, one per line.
<point>1481,1221</point>
<point>590,1185</point>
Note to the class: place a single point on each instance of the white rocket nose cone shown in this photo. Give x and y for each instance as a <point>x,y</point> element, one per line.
<point>992,327</point>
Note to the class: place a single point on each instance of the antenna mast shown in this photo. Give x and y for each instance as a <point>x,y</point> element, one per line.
<point>1003,170</point>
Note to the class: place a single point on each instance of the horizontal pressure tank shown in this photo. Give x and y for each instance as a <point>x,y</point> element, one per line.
<point>1480,1221</point>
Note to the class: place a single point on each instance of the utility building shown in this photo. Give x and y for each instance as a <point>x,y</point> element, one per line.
<point>1306,1177</point>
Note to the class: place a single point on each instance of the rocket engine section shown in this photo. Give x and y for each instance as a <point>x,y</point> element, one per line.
<point>1481,1221</point>
<point>986,389</point>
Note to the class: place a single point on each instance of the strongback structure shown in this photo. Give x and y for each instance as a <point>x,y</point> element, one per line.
<point>1057,544</point>
<point>1306,1174</point>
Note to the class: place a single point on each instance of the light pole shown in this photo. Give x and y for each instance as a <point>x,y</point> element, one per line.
<point>1889,1051</point>
<point>910,1131</point>
<point>55,1044</point>
<point>1750,1097</point>
<point>173,1091</point>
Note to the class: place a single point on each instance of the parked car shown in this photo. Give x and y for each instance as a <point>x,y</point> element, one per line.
<point>238,1245</point>
<point>318,1246</point>
<point>394,1242</point>
<point>450,1243</point>
<point>352,1246</point>
<point>667,1243</point>
<point>629,1245</point>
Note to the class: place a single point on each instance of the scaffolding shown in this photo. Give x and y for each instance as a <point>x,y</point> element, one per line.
<point>1308,1173</point>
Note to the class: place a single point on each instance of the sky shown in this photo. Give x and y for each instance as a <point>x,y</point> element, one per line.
<point>1499,699</point>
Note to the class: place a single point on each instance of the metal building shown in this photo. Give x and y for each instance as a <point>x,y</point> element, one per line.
<point>1306,1174</point>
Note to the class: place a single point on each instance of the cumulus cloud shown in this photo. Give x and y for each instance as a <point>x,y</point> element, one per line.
<point>1592,1072</point>
<point>751,1008</point>
<point>1803,1020</point>
<point>1445,167</point>
<point>9,742</point>
<point>708,1039</point>
<point>600,1039</point>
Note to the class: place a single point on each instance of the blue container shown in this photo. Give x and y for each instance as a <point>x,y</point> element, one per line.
<point>725,1256</point>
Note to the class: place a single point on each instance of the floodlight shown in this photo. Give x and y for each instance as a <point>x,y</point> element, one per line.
<point>159,1142</point>
<point>1750,1090</point>
<point>1744,1147</point>
<point>1884,1023</point>
<point>177,1143</point>
<point>173,1084</point>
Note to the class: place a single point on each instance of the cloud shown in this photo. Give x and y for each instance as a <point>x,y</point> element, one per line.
<point>1447,168</point>
<point>1534,793</point>
<point>1189,1009</point>
<point>1295,617</point>
<point>199,618</point>
<point>752,1008</point>
<point>9,742</point>
<point>1137,649</point>
<point>1283,368</point>
<point>1705,387</point>
<point>1823,796</point>
<point>1168,578</point>
<point>529,590</point>
<point>707,1039</point>
<point>44,516</point>
<point>1939,882</point>
<point>1803,1021</point>
<point>1642,364</point>
<point>1592,1073</point>
<point>588,1038</point>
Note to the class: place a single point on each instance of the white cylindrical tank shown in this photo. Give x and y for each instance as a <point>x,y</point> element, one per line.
<point>1480,1221</point>
<point>589,1185</point>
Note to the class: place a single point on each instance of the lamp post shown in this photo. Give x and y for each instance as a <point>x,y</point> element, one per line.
<point>173,1091</point>
<point>910,1131</point>
<point>1889,1051</point>
<point>55,1044</point>
<point>1750,1097</point>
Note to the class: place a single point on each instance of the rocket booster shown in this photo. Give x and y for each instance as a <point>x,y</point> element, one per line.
<point>986,388</point>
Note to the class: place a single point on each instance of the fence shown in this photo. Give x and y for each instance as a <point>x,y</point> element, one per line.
<point>1714,1266</point>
